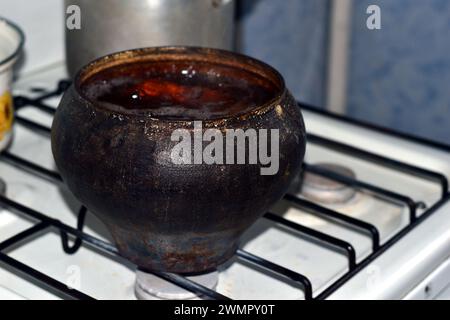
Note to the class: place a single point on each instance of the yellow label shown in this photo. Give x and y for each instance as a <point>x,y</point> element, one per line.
<point>6,114</point>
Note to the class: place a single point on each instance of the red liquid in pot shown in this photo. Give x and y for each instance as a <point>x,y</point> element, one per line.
<point>180,90</point>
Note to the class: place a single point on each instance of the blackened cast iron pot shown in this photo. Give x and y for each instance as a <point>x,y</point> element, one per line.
<point>163,216</point>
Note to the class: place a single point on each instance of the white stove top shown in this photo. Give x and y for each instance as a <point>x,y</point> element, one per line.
<point>396,273</point>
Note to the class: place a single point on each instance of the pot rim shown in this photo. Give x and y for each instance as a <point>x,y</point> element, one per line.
<point>18,47</point>
<point>139,54</point>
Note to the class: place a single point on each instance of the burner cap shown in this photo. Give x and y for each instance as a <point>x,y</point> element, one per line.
<point>325,190</point>
<point>151,287</point>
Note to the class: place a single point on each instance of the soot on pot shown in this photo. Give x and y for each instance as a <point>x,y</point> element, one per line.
<point>163,215</point>
<point>180,90</point>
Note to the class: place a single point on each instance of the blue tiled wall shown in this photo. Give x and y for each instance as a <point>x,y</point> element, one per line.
<point>400,75</point>
<point>290,35</point>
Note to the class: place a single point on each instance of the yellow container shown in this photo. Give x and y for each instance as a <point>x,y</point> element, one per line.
<point>11,42</point>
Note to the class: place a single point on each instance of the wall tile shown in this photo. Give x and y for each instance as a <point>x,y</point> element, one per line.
<point>400,75</point>
<point>290,35</point>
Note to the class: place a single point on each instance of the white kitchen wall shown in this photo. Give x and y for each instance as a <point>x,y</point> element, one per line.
<point>43,24</point>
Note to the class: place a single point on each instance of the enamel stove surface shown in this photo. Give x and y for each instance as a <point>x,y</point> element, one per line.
<point>409,267</point>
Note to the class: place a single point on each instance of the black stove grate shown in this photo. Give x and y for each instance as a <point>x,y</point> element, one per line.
<point>45,223</point>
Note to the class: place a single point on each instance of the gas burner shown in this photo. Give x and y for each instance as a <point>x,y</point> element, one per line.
<point>325,190</point>
<point>151,287</point>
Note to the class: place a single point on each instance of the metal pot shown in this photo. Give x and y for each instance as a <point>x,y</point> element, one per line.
<point>164,215</point>
<point>109,26</point>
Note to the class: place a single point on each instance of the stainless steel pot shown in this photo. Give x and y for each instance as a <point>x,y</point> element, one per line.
<point>109,26</point>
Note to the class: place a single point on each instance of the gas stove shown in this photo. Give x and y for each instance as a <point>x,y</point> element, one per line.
<point>369,218</point>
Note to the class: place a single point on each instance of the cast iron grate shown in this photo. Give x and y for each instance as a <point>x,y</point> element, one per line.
<point>45,222</point>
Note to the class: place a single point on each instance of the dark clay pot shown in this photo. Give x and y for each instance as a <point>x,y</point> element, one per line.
<point>115,154</point>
